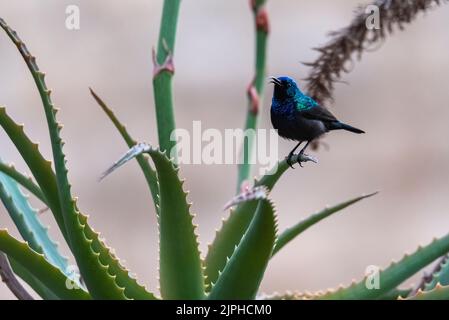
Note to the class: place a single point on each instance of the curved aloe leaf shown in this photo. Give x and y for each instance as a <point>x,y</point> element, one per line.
<point>441,276</point>
<point>241,277</point>
<point>391,295</point>
<point>283,296</point>
<point>101,270</point>
<point>395,274</point>
<point>439,292</point>
<point>233,228</point>
<point>226,239</point>
<point>290,233</point>
<point>39,166</point>
<point>395,294</point>
<point>38,266</point>
<point>99,281</point>
<point>50,114</point>
<point>132,289</point>
<point>43,173</point>
<point>27,222</point>
<point>181,275</point>
<point>24,181</point>
<point>148,172</point>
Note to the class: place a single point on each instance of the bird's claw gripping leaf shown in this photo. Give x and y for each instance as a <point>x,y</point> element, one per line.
<point>299,158</point>
<point>289,161</point>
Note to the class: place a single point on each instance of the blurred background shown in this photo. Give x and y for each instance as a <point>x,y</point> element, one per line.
<point>398,94</point>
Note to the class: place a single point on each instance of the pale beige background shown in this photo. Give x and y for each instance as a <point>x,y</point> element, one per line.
<point>398,94</point>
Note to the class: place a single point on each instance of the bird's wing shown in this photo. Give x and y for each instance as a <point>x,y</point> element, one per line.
<point>318,113</point>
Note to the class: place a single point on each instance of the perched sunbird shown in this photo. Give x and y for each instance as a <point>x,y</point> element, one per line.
<point>298,117</point>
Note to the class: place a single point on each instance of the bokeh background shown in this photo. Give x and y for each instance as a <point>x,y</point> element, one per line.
<point>398,94</point>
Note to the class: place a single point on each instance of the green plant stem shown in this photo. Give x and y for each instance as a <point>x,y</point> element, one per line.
<point>163,76</point>
<point>255,89</point>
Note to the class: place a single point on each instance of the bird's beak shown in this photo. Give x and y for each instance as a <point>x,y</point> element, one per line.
<point>275,81</point>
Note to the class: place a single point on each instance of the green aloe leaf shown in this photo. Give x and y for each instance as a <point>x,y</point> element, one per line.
<point>101,270</point>
<point>40,268</point>
<point>289,234</point>
<point>181,274</point>
<point>122,277</point>
<point>270,179</point>
<point>24,181</point>
<point>395,294</point>
<point>43,173</point>
<point>391,295</point>
<point>241,277</point>
<point>39,166</point>
<point>283,296</point>
<point>439,292</point>
<point>30,228</point>
<point>226,239</point>
<point>233,228</point>
<point>148,171</point>
<point>53,127</point>
<point>441,276</point>
<point>395,274</point>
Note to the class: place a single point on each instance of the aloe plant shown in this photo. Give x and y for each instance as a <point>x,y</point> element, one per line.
<point>236,260</point>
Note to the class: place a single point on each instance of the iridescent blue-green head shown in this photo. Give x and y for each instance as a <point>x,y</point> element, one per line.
<point>285,88</point>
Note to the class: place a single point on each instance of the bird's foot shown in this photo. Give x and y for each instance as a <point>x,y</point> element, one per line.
<point>299,158</point>
<point>289,160</point>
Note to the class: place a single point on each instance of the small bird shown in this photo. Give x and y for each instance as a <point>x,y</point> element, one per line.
<point>298,117</point>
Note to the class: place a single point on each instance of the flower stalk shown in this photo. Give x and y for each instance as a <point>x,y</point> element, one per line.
<point>163,75</point>
<point>255,88</point>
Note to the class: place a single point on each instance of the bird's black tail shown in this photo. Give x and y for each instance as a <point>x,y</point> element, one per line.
<point>337,125</point>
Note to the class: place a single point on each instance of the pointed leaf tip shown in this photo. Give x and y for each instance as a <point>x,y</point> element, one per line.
<point>133,152</point>
<point>291,233</point>
<point>256,193</point>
